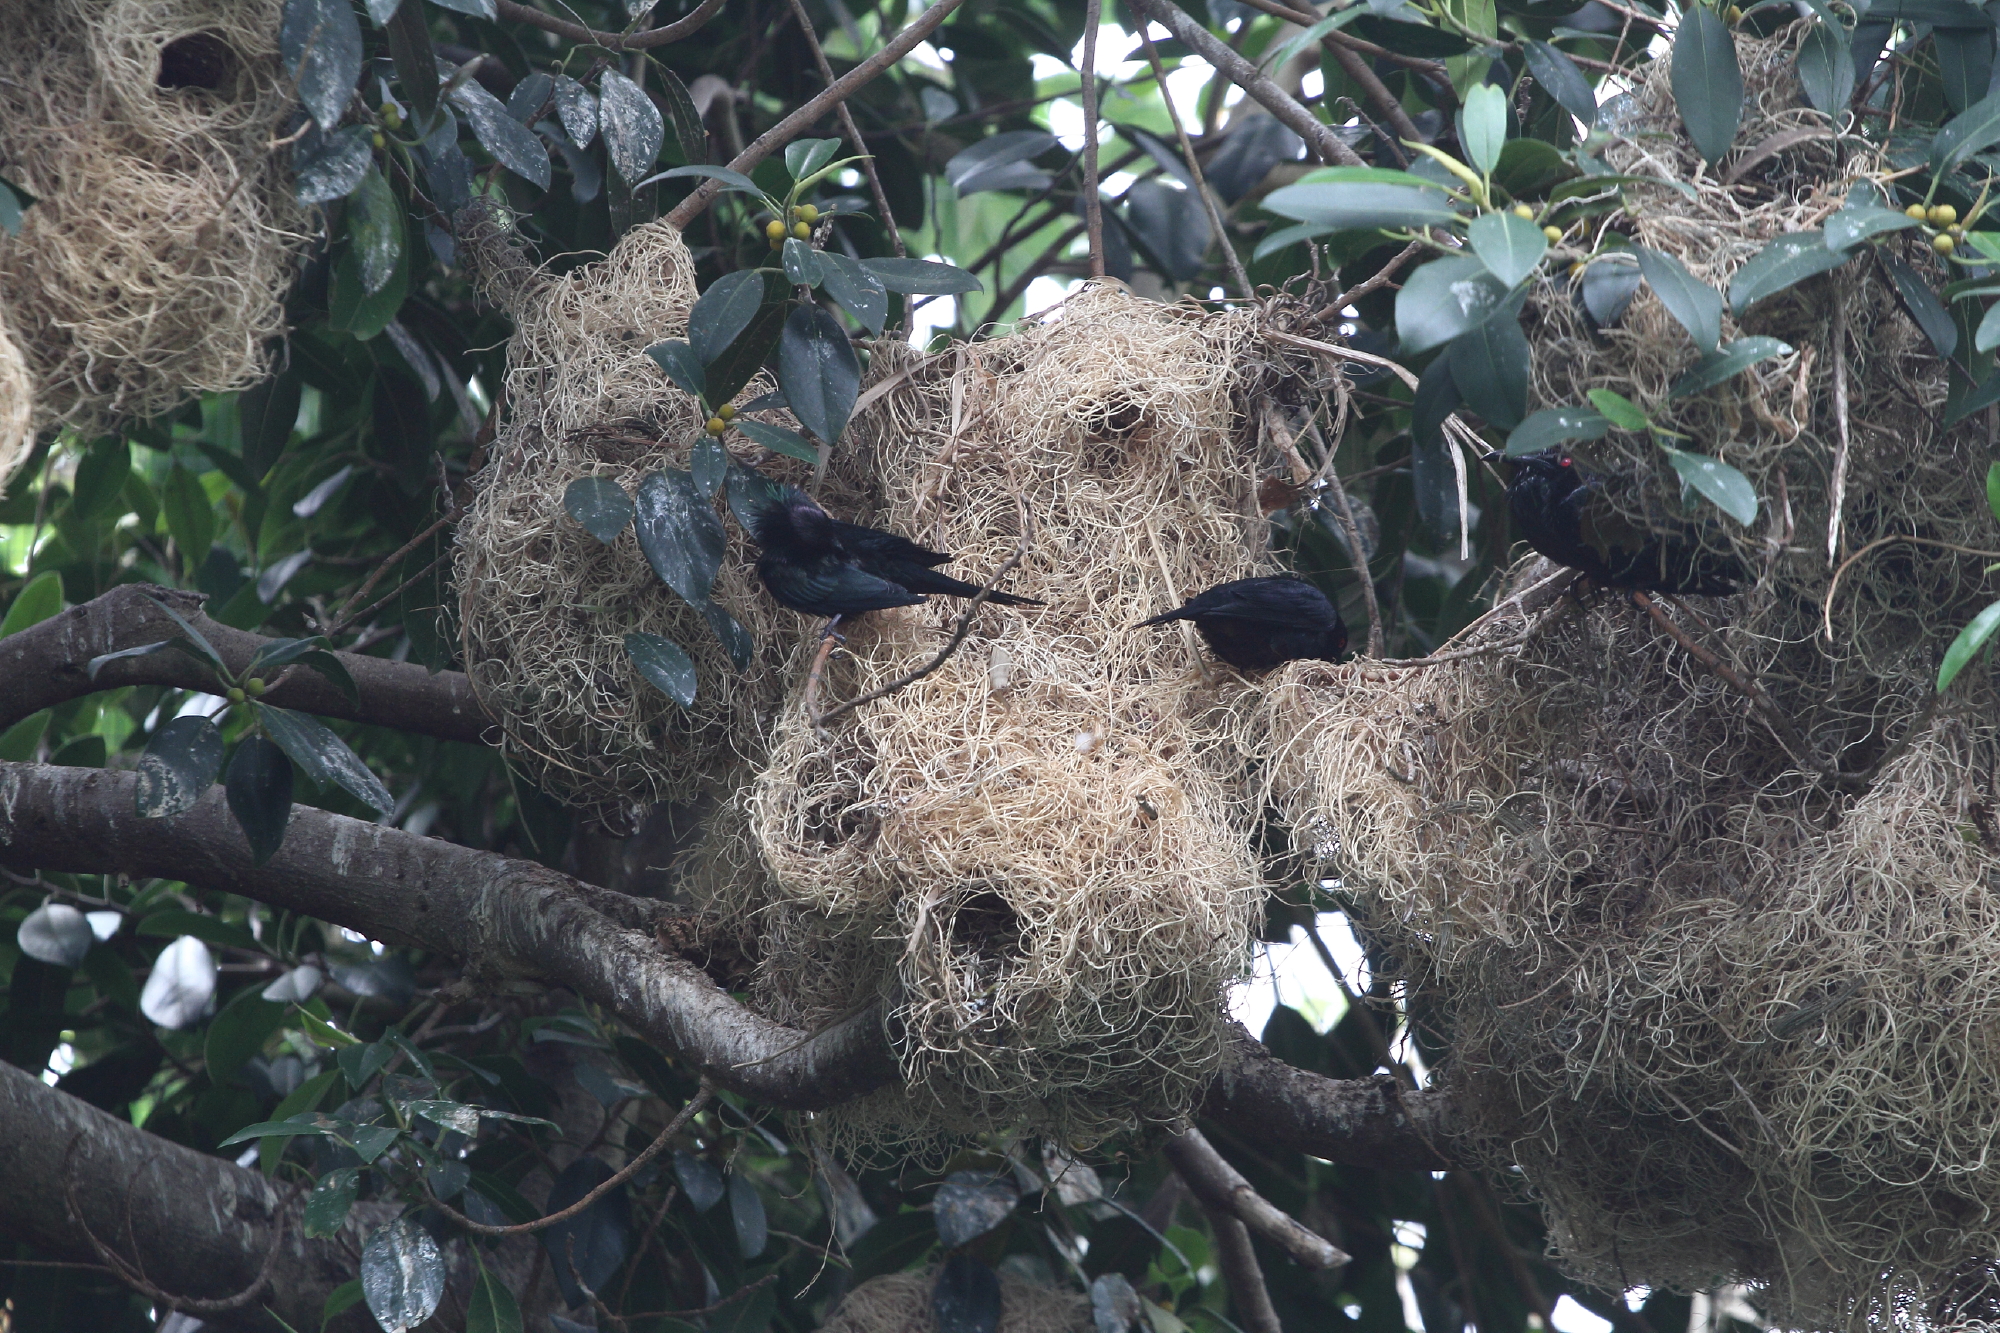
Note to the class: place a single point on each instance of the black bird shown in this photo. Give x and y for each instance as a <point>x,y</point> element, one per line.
<point>1562,511</point>
<point>1257,624</point>
<point>817,564</point>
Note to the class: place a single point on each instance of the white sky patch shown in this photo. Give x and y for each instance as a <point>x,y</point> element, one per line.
<point>202,705</point>
<point>1313,84</point>
<point>1044,292</point>
<point>926,54</point>
<point>926,320</point>
<point>1293,973</point>
<point>1569,1317</point>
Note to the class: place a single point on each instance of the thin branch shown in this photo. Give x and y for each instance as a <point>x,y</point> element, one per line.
<point>1344,353</point>
<point>1375,281</point>
<point>1208,203</point>
<point>730,1299</point>
<point>1093,206</point>
<point>1434,68</point>
<point>792,126</point>
<point>1217,1184</point>
<point>1344,509</point>
<point>959,632</point>
<point>853,132</point>
<point>617,41</point>
<point>1240,1270</point>
<point>1012,291</point>
<point>631,1168</point>
<point>1251,80</point>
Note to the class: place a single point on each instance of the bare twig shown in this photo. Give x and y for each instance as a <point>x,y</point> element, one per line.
<point>1343,510</point>
<point>632,1168</point>
<point>1251,80</point>
<point>1344,353</point>
<point>1208,202</point>
<point>853,132</point>
<point>792,126</point>
<point>1219,1185</point>
<point>1093,207</point>
<point>1380,278</point>
<point>1839,484</point>
<point>1242,1273</point>
<point>730,1299</point>
<point>959,632</point>
<point>816,673</point>
<point>617,41</point>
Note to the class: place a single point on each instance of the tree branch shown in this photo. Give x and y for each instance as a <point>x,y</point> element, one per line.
<point>792,126</point>
<point>1241,1272</point>
<point>44,665</point>
<point>1251,80</point>
<point>617,41</point>
<point>1218,1185</point>
<point>1357,1122</point>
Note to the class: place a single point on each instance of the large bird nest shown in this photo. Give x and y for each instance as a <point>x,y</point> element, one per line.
<point>1037,852</point>
<point>544,606</point>
<point>901,1303</point>
<point>157,257</point>
<point>1725,990</point>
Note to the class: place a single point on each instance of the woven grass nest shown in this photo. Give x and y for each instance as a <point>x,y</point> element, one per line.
<point>901,1303</point>
<point>1732,1012</point>
<point>157,256</point>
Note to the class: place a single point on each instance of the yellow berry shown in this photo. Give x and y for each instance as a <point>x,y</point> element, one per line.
<point>235,695</point>
<point>1523,211</point>
<point>255,685</point>
<point>1734,14</point>
<point>775,229</point>
<point>716,425</point>
<point>808,213</point>
<point>392,117</point>
<point>377,139</point>
<point>777,242</point>
<point>1917,211</point>
<point>1943,215</point>
<point>1553,233</point>
<point>727,412</point>
<point>1944,245</point>
<point>801,231</point>
<point>1576,269</point>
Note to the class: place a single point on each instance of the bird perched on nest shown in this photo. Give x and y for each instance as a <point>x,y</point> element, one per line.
<point>815,563</point>
<point>1256,624</point>
<point>1562,511</point>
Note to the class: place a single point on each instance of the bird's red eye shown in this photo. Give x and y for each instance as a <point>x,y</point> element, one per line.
<point>1564,462</point>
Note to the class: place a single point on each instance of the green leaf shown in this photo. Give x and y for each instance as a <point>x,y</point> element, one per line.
<point>195,640</point>
<point>1366,176</point>
<point>723,312</point>
<point>1923,306</point>
<point>752,348</point>
<point>238,1032</point>
<point>1562,80</point>
<point>1509,246</point>
<point>98,663</point>
<point>324,1033</point>
<point>1960,406</point>
<point>100,477</point>
<point>1968,643</point>
<point>1482,127</point>
<point>1973,130</point>
<point>1279,238</point>
<point>402,1273</point>
<point>1432,475</point>
<point>409,41</point>
<point>688,129</point>
<point>999,162</point>
<point>180,763</point>
<point>859,292</point>
<point>1826,67</point>
<point>1721,483</point>
<point>176,922</point>
<point>1362,207</point>
<point>1860,222</point>
<point>1528,167</point>
<point>13,203</point>
<point>601,505</point>
<point>1726,361</point>
<point>375,230</point>
<point>1491,365</point>
<point>1312,35</point>
<point>320,41</point>
<point>1987,336</point>
<point>326,167</point>
<point>512,144</point>
<point>323,756</point>
<point>190,515</point>
<point>922,277</point>
<point>731,180</point>
<point>665,664</point>
<point>682,365</point>
<point>1696,305</point>
<point>800,261</point>
<point>39,600</point>
<point>18,742</point>
<point>805,156</point>
<point>1556,425</point>
<point>1443,299</point>
<point>350,309</point>
<point>1783,262</point>
<point>1993,490</point>
<point>1965,62</point>
<point>710,464</point>
<point>308,1123</point>
<point>1708,86</point>
<point>737,641</point>
<point>818,371</point>
<point>746,1210</point>
<point>348,1294</point>
<point>1619,410</point>
<point>680,533</point>
<point>632,126</point>
<point>306,1097</point>
<point>492,1308</point>
<point>778,440</point>
<point>328,1205</point>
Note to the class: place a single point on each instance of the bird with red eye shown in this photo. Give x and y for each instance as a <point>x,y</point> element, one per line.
<point>1563,511</point>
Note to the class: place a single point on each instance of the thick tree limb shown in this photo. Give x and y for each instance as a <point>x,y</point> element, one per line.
<point>1281,104</point>
<point>502,918</point>
<point>1357,1122</point>
<point>1218,1185</point>
<point>44,665</point>
<point>202,1226</point>
<point>792,126</point>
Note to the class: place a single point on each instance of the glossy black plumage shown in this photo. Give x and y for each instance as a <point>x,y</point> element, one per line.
<point>817,564</point>
<point>1561,510</point>
<point>1257,624</point>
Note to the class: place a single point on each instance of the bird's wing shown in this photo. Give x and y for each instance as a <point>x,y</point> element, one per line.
<point>886,548</point>
<point>919,579</point>
<point>831,587</point>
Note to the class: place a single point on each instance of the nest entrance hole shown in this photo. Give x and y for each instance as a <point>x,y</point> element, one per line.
<point>199,60</point>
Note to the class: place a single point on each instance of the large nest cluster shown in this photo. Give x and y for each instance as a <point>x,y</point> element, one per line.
<point>544,606</point>
<point>901,1303</point>
<point>1720,977</point>
<point>1037,853</point>
<point>157,257</point>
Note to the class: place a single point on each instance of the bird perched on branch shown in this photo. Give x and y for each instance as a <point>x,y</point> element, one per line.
<point>1256,624</point>
<point>817,564</point>
<point>1562,511</point>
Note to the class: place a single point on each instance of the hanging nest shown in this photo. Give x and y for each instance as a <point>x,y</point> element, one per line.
<point>156,259</point>
<point>17,405</point>
<point>544,606</point>
<point>1727,998</point>
<point>901,1303</point>
<point>1037,851</point>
